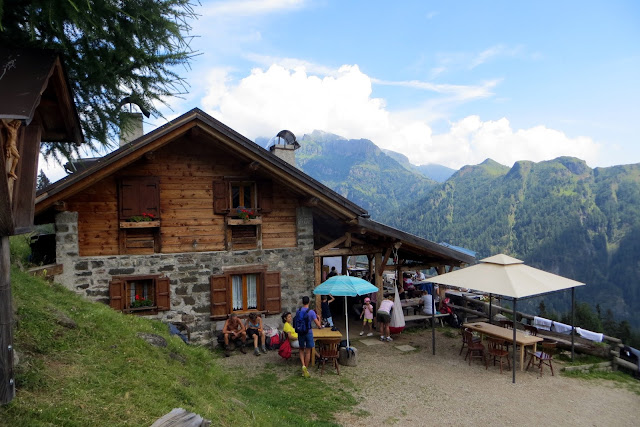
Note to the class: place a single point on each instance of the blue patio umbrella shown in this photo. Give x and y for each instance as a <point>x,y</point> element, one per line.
<point>345,286</point>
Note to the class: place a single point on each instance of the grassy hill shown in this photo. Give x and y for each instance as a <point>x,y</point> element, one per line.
<point>82,364</point>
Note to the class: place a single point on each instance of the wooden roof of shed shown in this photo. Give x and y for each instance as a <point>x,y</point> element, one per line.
<point>34,86</point>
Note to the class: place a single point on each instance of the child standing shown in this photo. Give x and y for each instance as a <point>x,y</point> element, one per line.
<point>326,311</point>
<point>367,316</point>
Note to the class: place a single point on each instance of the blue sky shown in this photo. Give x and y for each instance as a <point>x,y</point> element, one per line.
<point>451,83</point>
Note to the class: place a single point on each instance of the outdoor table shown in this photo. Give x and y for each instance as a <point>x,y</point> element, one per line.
<point>414,303</point>
<point>522,339</point>
<point>323,333</point>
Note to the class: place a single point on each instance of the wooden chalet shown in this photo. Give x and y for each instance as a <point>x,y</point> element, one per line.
<point>193,221</point>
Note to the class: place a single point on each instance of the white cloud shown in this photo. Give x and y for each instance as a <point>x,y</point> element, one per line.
<point>250,7</point>
<point>277,98</point>
<point>473,140</point>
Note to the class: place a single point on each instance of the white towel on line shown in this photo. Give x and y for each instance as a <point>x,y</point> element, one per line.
<point>561,328</point>
<point>593,336</point>
<point>542,323</point>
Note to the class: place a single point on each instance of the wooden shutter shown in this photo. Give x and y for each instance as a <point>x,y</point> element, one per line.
<point>137,195</point>
<point>128,198</point>
<point>220,197</point>
<point>163,293</point>
<point>271,294</point>
<point>116,294</point>
<point>265,196</point>
<point>219,296</point>
<point>150,196</point>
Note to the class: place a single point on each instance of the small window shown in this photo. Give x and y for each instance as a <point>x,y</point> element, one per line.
<point>243,195</point>
<point>140,294</point>
<point>244,292</point>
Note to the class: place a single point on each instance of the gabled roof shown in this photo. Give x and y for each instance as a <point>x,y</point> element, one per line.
<point>33,85</point>
<point>205,128</point>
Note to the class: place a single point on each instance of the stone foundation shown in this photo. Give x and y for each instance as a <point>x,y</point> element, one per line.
<point>189,274</point>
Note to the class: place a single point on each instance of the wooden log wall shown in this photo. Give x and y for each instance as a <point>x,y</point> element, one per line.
<point>186,171</point>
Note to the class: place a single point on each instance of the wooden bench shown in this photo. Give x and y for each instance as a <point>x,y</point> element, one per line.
<point>424,318</point>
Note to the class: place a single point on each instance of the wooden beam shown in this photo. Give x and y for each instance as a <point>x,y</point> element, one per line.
<point>353,250</point>
<point>311,202</point>
<point>357,241</point>
<point>332,244</point>
<point>380,267</point>
<point>379,282</point>
<point>60,206</point>
<point>347,242</point>
<point>317,278</point>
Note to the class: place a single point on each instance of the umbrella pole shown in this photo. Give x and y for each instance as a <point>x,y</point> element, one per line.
<point>346,319</point>
<point>515,319</point>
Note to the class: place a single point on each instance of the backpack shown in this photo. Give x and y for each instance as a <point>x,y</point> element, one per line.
<point>274,341</point>
<point>302,322</point>
<point>285,349</point>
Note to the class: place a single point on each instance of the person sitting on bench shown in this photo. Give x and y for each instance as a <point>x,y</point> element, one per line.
<point>234,329</point>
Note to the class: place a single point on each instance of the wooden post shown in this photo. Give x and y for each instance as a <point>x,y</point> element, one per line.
<point>379,282</point>
<point>7,383</point>
<point>317,272</point>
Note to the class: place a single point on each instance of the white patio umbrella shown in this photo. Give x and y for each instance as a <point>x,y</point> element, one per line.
<point>345,286</point>
<point>507,276</point>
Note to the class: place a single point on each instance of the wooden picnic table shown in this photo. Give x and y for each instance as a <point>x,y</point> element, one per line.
<point>323,333</point>
<point>523,340</point>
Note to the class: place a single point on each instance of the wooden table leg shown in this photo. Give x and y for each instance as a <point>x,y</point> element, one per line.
<point>522,357</point>
<point>313,356</point>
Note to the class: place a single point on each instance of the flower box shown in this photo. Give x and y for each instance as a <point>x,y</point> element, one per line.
<point>240,221</point>
<point>141,224</point>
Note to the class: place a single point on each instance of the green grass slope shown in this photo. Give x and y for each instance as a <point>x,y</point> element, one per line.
<point>99,372</point>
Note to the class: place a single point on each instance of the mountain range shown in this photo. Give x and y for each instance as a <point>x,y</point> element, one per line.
<point>559,215</point>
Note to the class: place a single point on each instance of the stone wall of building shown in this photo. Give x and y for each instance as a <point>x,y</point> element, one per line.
<point>189,273</point>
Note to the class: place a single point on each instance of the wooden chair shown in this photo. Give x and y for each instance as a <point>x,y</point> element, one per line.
<point>464,340</point>
<point>328,350</point>
<point>496,348</point>
<point>475,348</point>
<point>543,357</point>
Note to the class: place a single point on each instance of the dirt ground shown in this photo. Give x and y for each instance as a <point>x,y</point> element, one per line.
<point>415,387</point>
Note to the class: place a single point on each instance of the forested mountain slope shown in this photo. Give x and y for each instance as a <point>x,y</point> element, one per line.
<point>360,171</point>
<point>559,215</point>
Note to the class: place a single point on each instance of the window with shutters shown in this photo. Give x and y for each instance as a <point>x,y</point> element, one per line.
<point>245,289</point>
<point>230,194</point>
<point>137,196</point>
<point>243,194</point>
<point>140,294</point>
<point>139,212</point>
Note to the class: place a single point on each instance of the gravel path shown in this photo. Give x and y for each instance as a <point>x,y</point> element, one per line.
<point>418,388</point>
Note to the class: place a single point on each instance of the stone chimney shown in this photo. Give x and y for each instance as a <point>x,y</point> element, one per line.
<point>284,145</point>
<point>133,129</point>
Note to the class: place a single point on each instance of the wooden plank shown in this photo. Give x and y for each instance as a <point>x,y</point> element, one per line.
<point>7,382</point>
